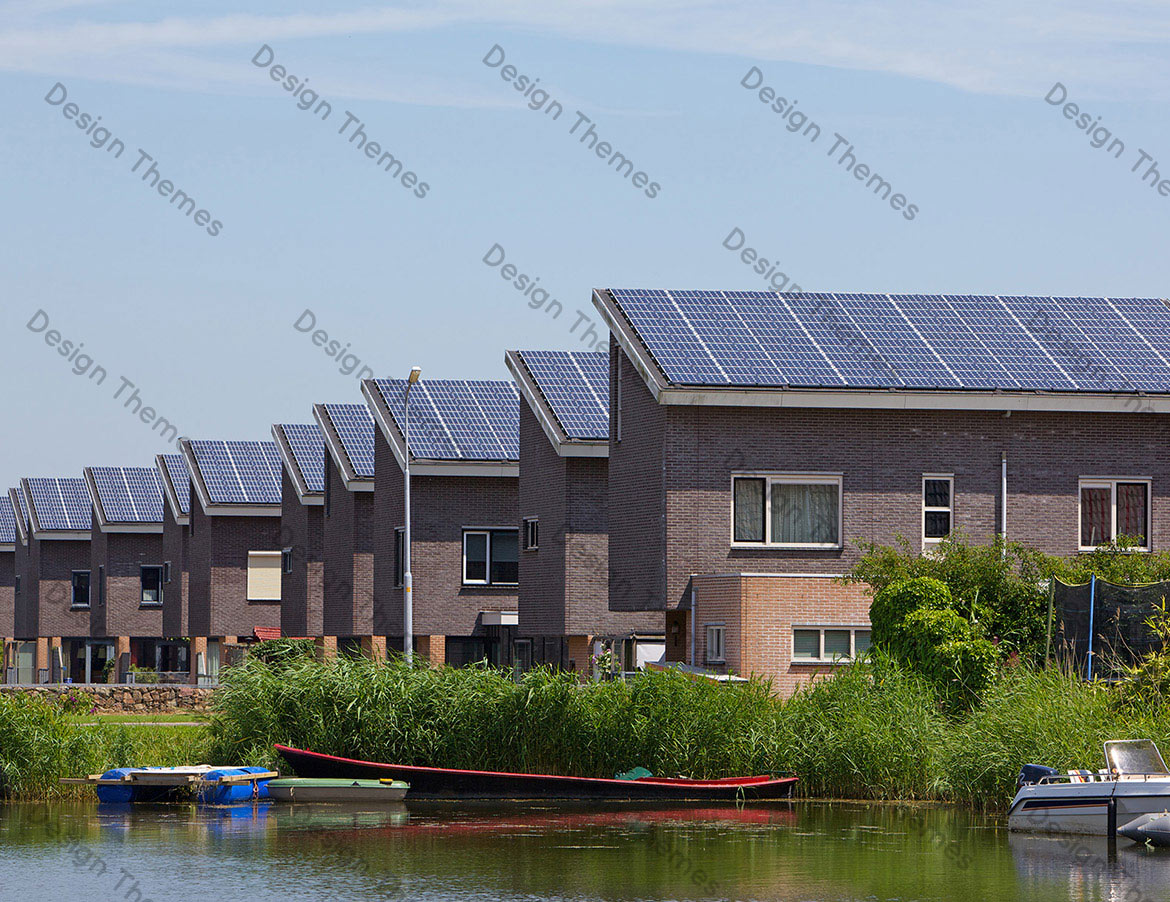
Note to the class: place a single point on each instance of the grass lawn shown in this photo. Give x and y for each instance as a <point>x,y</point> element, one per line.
<point>179,717</point>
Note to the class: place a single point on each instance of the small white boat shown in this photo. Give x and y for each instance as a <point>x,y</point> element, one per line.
<point>1134,782</point>
<point>325,789</point>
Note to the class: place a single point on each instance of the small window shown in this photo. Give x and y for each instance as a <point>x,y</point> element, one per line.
<point>787,511</point>
<point>531,533</point>
<point>80,597</point>
<point>491,557</point>
<point>16,584</point>
<point>166,571</point>
<point>286,557</point>
<point>1112,508</point>
<point>829,644</point>
<point>101,584</point>
<point>264,575</point>
<point>716,647</point>
<point>400,556</point>
<point>937,508</point>
<point>152,582</point>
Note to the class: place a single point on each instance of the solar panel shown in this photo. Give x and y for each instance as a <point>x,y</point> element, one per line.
<point>60,504</point>
<point>308,450</point>
<point>354,426</point>
<point>7,521</point>
<point>923,342</point>
<point>239,472</point>
<point>575,385</point>
<point>23,506</point>
<point>453,419</point>
<point>180,480</point>
<point>129,494</point>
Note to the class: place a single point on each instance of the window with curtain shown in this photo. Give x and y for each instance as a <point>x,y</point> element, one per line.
<point>787,511</point>
<point>1112,508</point>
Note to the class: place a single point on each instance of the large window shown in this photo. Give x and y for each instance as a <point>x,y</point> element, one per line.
<point>828,644</point>
<point>1111,508</point>
<point>151,579</point>
<point>938,508</point>
<point>787,511</point>
<point>491,557</point>
<point>80,598</point>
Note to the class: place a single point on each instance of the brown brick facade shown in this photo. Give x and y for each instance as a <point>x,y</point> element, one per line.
<point>301,591</point>
<point>116,609</point>
<point>670,480</point>
<point>349,558</point>
<point>175,593</point>
<point>7,594</point>
<point>46,591</point>
<point>441,506</point>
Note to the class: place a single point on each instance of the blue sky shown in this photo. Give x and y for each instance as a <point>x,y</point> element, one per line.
<point>945,101</point>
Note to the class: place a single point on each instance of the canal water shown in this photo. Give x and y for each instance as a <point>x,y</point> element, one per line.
<point>803,851</point>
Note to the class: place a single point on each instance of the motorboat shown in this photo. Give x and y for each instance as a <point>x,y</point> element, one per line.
<point>1133,783</point>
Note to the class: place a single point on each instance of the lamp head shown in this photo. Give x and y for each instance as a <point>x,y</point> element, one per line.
<point>415,374</point>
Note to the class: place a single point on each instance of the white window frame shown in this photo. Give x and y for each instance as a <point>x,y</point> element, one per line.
<point>949,478</point>
<point>853,628</point>
<point>1110,482</point>
<point>837,479</point>
<point>533,522</point>
<point>719,629</point>
<point>486,531</point>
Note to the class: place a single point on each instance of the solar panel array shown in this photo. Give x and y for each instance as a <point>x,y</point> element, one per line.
<point>61,504</point>
<point>23,506</point>
<point>308,450</point>
<point>354,426</point>
<point>452,419</point>
<point>180,479</point>
<point>239,472</point>
<point>925,342</point>
<point>7,521</point>
<point>129,494</point>
<point>575,384</point>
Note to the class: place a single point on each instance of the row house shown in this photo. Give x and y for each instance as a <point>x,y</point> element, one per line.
<point>7,584</point>
<point>757,439</point>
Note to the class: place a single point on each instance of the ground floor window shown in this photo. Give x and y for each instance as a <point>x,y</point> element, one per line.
<point>716,643</point>
<point>828,644</point>
<point>491,557</point>
<point>80,597</point>
<point>1112,508</point>
<point>786,511</point>
<point>938,508</point>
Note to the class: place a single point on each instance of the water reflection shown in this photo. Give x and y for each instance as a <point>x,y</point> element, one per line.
<point>781,852</point>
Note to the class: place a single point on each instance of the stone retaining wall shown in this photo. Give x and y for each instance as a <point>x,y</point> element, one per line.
<point>124,699</point>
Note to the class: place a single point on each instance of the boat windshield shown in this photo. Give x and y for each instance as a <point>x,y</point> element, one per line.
<point>1134,756</point>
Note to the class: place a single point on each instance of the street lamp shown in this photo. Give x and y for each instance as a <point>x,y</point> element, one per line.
<point>407,581</point>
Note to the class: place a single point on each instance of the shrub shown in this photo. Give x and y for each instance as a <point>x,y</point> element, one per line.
<point>892,606</point>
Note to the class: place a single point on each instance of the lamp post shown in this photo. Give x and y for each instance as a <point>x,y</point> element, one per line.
<point>407,580</point>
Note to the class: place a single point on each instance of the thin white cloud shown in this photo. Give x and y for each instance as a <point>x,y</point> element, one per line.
<point>996,46</point>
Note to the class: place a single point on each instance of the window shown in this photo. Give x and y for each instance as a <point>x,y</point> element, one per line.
<point>938,493</point>
<point>400,556</point>
<point>787,511</point>
<point>828,644</point>
<point>152,582</point>
<point>166,571</point>
<point>286,560</point>
<point>491,557</point>
<point>80,597</point>
<point>16,584</point>
<point>1111,508</point>
<point>328,487</point>
<point>264,575</point>
<point>716,648</point>
<point>531,533</point>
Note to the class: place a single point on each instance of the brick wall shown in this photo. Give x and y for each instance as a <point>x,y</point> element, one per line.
<point>759,614</point>
<point>25,603</point>
<point>349,558</point>
<point>302,591</point>
<point>7,594</point>
<point>123,555</point>
<point>882,455</point>
<point>441,507</point>
<point>174,542</point>
<point>542,492</point>
<point>53,562</point>
<point>218,560</point>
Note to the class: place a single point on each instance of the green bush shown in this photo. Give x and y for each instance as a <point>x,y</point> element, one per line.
<point>892,606</point>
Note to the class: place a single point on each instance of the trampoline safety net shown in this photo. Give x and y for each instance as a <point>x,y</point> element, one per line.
<point>1120,631</point>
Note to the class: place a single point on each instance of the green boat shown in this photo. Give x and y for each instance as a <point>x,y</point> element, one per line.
<point>325,789</point>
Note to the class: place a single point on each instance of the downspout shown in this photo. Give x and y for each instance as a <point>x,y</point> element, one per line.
<point>1003,494</point>
<point>693,619</point>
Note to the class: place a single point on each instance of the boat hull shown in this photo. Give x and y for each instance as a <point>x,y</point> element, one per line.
<point>310,789</point>
<point>1083,808</point>
<point>442,783</point>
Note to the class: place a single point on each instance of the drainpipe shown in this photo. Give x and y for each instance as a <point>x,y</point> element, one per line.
<point>693,619</point>
<point>1003,494</point>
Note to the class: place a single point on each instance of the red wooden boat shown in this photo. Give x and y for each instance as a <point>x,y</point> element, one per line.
<point>445,783</point>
